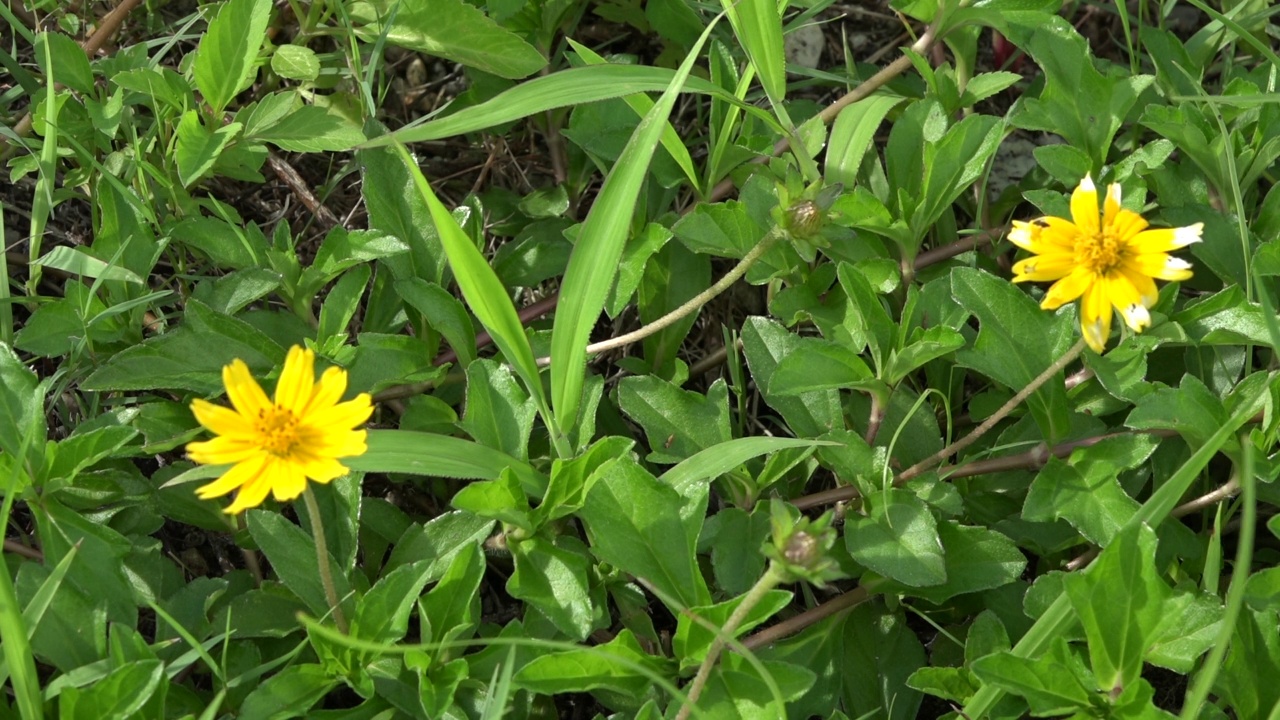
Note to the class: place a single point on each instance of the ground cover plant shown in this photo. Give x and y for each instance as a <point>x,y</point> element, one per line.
<point>599,358</point>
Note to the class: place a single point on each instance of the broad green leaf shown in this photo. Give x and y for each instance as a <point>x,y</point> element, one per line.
<point>1195,621</point>
<point>1056,683</point>
<point>382,614</point>
<point>735,538</point>
<point>224,243</point>
<point>198,148</point>
<point>439,541</point>
<point>289,693</point>
<point>815,365</point>
<point>678,423</point>
<point>383,360</point>
<point>123,693</point>
<point>451,29</point>
<point>936,342</point>
<point>444,313</point>
<point>723,229</point>
<point>22,425</point>
<point>879,653</point>
<point>1008,318</point>
<point>499,414</point>
<point>295,62</point>
<point>311,129</point>
<point>501,499</point>
<point>225,61</point>
<point>292,553</point>
<point>1191,409</point>
<point>190,357</point>
<point>637,524</point>
<point>571,480</point>
<point>1247,679</point>
<point>70,64</point>
<point>594,262</point>
<point>1084,489</point>
<point>975,559</point>
<point>1121,604</point>
<point>556,577</point>
<point>480,287</point>
<point>866,310</point>
<point>696,630</point>
<point>620,665</point>
<point>897,538</point>
<point>766,344</point>
<point>452,607</point>
<point>397,208</point>
<point>951,164</point>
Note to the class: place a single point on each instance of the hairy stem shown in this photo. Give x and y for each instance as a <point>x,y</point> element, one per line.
<point>753,597</point>
<point>996,417</point>
<point>322,559</point>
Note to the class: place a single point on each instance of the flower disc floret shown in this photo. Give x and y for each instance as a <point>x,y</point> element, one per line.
<point>1108,260</point>
<point>274,445</point>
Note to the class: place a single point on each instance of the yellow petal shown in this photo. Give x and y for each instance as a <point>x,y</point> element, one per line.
<point>1111,206</point>
<point>290,483</point>
<point>221,420</point>
<point>1165,239</point>
<point>1049,266</point>
<point>343,416</point>
<point>1095,316</point>
<point>1067,289</point>
<point>327,392</point>
<point>1084,206</point>
<point>252,494</point>
<point>296,380</point>
<point>235,477</point>
<point>1044,235</point>
<point>245,392</point>
<point>339,445</point>
<point>1159,265</point>
<point>1126,299</point>
<point>223,450</point>
<point>325,471</point>
<point>1127,225</point>
<point>1143,283</point>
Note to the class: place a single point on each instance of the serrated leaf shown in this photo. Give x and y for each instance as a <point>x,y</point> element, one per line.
<point>224,62</point>
<point>311,129</point>
<point>678,423</point>
<point>898,538</point>
<point>295,62</point>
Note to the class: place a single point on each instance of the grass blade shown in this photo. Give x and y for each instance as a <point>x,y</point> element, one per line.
<point>595,258</point>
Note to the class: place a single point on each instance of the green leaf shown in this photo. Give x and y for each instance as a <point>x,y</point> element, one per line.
<point>397,208</point>
<point>572,87</point>
<point>292,553</point>
<point>70,64</point>
<point>897,538</point>
<point>766,344</point>
<point>439,541</point>
<point>879,653</point>
<point>452,607</point>
<point>311,129</point>
<point>225,60</point>
<point>420,453</point>
<point>1192,409</point>
<point>571,480</point>
<point>122,694</point>
<point>696,629</point>
<point>1195,621</point>
<point>975,559</point>
<point>480,287</point>
<point>1084,490</point>
<point>85,449</point>
<point>501,499</point>
<point>723,229</point>
<point>758,27</point>
<point>198,148</point>
<point>678,423</point>
<point>451,29</point>
<point>22,426</point>
<point>555,577</point>
<point>499,414</point>
<point>620,665</point>
<point>1120,602</point>
<point>190,357</point>
<point>639,525</point>
<point>814,365</point>
<point>444,313</point>
<point>867,312</point>
<point>289,693</point>
<point>1247,680</point>
<point>1007,318</point>
<point>594,262</point>
<point>381,361</point>
<point>1055,683</point>
<point>851,135</point>
<point>295,62</point>
<point>690,475</point>
<point>224,243</point>
<point>735,539</point>
<point>936,342</point>
<point>79,262</point>
<point>382,614</point>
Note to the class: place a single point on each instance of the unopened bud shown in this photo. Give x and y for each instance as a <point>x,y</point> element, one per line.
<point>804,219</point>
<point>802,549</point>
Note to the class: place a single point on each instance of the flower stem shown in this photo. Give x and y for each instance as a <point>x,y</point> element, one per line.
<point>753,597</point>
<point>322,559</point>
<point>996,417</point>
<point>695,303</point>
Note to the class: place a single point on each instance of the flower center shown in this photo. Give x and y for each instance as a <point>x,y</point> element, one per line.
<point>277,429</point>
<point>1100,253</point>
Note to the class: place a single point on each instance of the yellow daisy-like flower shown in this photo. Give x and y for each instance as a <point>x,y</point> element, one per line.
<point>1107,260</point>
<point>274,447</point>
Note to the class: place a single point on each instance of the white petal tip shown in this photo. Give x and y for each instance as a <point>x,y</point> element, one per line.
<point>1188,235</point>
<point>1086,183</point>
<point>1136,317</point>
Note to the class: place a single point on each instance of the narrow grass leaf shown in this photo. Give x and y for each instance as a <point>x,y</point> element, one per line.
<point>480,286</point>
<point>758,26</point>
<point>595,258</point>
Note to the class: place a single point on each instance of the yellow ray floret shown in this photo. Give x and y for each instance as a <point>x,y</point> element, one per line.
<point>275,445</point>
<point>1107,260</point>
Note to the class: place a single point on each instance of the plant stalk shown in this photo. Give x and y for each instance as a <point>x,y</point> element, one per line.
<point>322,559</point>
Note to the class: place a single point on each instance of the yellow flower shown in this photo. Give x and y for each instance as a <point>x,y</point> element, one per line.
<point>1107,264</point>
<point>274,447</point>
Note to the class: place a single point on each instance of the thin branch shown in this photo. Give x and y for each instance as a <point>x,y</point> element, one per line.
<point>813,615</point>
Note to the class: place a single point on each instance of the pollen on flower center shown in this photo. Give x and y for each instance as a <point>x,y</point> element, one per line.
<point>277,428</point>
<point>1100,252</point>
